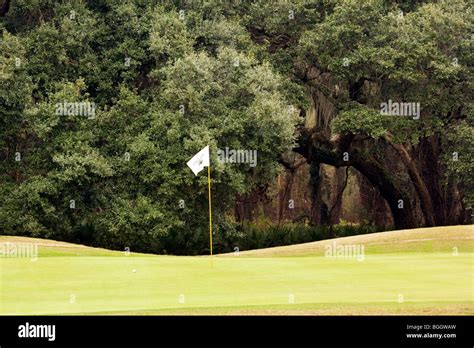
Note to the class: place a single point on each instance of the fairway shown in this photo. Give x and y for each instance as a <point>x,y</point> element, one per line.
<point>422,271</point>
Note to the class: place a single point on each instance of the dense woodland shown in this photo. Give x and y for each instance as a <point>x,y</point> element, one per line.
<point>302,82</point>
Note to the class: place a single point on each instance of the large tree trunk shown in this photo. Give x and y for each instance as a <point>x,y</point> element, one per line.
<point>379,213</point>
<point>429,155</point>
<point>396,198</point>
<point>448,207</point>
<point>316,147</point>
<point>342,179</point>
<point>316,202</point>
<point>418,183</point>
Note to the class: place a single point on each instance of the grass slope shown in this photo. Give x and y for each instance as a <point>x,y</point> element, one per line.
<point>421,265</point>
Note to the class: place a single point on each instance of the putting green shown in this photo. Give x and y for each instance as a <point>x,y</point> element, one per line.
<point>423,271</point>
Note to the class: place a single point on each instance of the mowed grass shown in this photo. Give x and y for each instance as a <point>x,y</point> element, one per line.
<point>421,271</point>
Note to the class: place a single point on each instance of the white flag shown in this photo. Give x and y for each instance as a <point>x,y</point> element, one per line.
<point>199,161</point>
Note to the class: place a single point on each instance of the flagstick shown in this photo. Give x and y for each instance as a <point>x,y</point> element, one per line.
<point>210,210</point>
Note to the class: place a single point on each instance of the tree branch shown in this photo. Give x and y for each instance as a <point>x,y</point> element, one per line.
<point>418,183</point>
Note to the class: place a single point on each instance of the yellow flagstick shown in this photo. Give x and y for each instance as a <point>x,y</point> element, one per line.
<point>197,163</point>
<point>210,210</point>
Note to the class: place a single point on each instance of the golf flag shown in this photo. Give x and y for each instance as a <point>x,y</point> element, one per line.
<point>197,163</point>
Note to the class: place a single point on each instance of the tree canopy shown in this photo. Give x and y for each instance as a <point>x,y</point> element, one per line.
<point>159,80</point>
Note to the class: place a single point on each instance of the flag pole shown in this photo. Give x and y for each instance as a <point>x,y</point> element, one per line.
<point>210,210</point>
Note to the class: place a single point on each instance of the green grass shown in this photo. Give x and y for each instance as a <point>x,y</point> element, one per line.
<point>417,264</point>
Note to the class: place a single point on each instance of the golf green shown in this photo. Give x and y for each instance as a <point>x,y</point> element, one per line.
<point>421,271</point>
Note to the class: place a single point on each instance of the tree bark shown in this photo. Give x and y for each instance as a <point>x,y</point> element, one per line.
<point>418,183</point>
<point>337,204</point>
<point>315,147</point>
<point>403,217</point>
<point>315,181</point>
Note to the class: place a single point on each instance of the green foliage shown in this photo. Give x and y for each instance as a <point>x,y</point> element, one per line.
<point>228,235</point>
<point>359,119</point>
<point>254,236</point>
<point>418,53</point>
<point>166,83</point>
<point>168,37</point>
<point>421,56</point>
<point>116,179</point>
